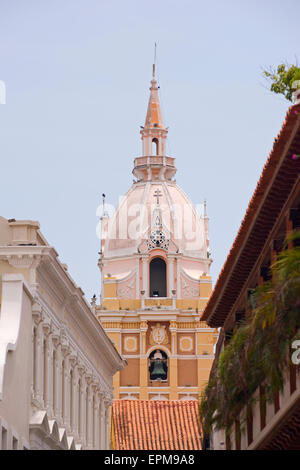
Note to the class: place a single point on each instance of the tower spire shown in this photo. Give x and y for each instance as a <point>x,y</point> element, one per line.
<point>154,132</point>
<point>154,114</point>
<point>154,63</point>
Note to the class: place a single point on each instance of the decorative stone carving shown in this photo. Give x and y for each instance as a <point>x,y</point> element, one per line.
<point>47,326</point>
<point>158,239</point>
<point>81,369</point>
<point>158,335</point>
<point>127,291</point>
<point>56,339</point>
<point>189,290</point>
<point>73,358</point>
<point>130,344</point>
<point>36,312</point>
<point>186,343</point>
<point>143,326</point>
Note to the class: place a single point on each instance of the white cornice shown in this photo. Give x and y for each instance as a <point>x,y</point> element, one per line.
<point>62,284</point>
<point>171,356</point>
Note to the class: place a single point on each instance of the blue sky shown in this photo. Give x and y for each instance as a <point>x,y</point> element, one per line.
<point>77,81</point>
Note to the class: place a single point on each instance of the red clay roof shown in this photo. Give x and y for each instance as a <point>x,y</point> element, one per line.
<point>155,425</point>
<point>277,180</point>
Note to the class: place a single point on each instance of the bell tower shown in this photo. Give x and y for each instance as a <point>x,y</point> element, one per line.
<point>154,263</point>
<point>154,133</point>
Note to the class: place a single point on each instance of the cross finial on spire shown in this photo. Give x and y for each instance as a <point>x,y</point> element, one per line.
<point>154,62</point>
<point>154,115</point>
<point>103,205</point>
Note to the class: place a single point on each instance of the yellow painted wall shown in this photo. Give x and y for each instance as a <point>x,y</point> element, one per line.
<point>129,376</point>
<point>182,372</point>
<point>110,289</point>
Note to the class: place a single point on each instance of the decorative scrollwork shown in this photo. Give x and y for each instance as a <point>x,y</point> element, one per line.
<point>158,239</point>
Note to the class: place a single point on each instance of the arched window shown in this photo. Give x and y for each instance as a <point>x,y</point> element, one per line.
<point>158,278</point>
<point>155,146</point>
<point>158,365</point>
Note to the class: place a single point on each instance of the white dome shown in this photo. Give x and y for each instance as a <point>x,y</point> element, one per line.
<point>155,206</point>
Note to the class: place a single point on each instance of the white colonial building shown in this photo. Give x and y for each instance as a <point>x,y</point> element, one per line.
<point>56,361</point>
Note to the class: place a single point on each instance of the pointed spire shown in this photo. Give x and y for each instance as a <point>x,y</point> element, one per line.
<point>154,133</point>
<point>154,114</point>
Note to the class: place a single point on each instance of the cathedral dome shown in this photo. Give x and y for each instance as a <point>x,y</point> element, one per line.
<point>155,219</point>
<point>155,214</point>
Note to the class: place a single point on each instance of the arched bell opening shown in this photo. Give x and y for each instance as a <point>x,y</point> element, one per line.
<point>158,278</point>
<point>155,146</point>
<point>158,366</point>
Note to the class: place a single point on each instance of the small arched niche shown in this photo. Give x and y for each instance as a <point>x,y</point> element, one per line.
<point>155,146</point>
<point>158,366</point>
<point>158,278</point>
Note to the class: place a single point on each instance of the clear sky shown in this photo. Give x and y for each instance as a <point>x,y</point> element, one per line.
<point>77,79</point>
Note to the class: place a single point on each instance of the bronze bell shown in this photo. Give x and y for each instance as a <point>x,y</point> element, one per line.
<point>158,370</point>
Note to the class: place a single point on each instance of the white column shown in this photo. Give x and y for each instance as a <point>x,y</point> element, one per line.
<point>179,296</point>
<point>143,330</point>
<point>56,376</point>
<point>36,316</point>
<point>137,278</point>
<point>50,376</point>
<point>102,422</point>
<point>145,275</point>
<point>82,430</point>
<point>33,356</point>
<point>59,359</point>
<point>171,274</point>
<point>173,329</point>
<point>75,395</point>
<point>96,418</point>
<point>107,443</point>
<point>66,398</point>
<point>107,403</point>
<point>47,369</point>
<point>89,430</point>
<point>38,392</point>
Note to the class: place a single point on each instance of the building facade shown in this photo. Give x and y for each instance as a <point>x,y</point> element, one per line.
<point>272,214</point>
<point>155,261</point>
<point>56,362</point>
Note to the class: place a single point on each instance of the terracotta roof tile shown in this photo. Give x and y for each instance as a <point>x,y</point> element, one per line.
<point>156,425</point>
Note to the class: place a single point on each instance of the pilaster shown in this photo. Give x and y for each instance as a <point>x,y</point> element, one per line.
<point>38,365</point>
<point>102,420</point>
<point>96,416</point>
<point>145,274</point>
<point>171,274</point>
<point>47,367</point>
<point>143,362</point>
<point>89,421</point>
<point>57,372</point>
<point>66,386</point>
<point>82,408</point>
